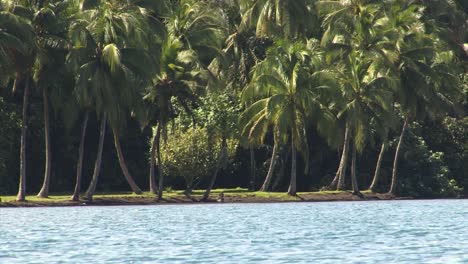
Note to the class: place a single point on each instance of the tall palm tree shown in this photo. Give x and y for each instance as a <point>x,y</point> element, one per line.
<point>427,86</point>
<point>107,39</point>
<point>288,89</point>
<point>243,49</point>
<point>356,28</point>
<point>17,55</point>
<point>50,20</point>
<point>365,93</point>
<point>195,33</point>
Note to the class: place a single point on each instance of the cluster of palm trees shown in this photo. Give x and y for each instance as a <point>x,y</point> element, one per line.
<point>352,70</point>
<point>375,64</point>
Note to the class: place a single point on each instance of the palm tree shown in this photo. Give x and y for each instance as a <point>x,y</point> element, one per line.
<point>195,32</point>
<point>378,166</point>
<point>79,167</point>
<point>426,83</point>
<point>50,20</point>
<point>108,39</point>
<point>180,77</point>
<point>243,49</point>
<point>288,88</point>
<point>199,26</point>
<point>284,18</point>
<point>448,20</point>
<point>365,93</point>
<point>255,125</point>
<point>356,28</point>
<point>17,54</point>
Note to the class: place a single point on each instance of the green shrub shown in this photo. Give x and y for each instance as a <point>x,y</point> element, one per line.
<point>424,172</point>
<point>192,155</point>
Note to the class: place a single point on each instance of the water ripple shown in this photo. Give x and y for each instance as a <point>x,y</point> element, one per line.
<point>351,232</point>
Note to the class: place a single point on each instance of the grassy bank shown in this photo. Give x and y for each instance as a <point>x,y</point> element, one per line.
<point>237,195</point>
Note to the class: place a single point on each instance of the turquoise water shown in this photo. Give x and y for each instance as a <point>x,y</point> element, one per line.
<point>339,232</point>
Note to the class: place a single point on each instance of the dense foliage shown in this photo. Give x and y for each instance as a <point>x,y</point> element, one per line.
<point>296,95</point>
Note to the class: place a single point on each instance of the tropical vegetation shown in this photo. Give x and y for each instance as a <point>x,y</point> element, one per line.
<point>284,95</point>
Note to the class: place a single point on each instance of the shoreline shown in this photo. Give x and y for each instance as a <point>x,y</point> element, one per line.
<point>173,199</point>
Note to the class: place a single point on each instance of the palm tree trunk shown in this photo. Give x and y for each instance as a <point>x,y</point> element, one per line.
<point>153,186</point>
<point>79,167</point>
<point>397,154</point>
<point>344,161</point>
<point>378,166</point>
<point>160,169</point>
<point>266,184</point>
<point>97,165</point>
<point>44,192</point>
<point>293,183</point>
<point>123,165</point>
<point>221,159</point>
<point>282,170</point>
<point>24,131</point>
<point>253,169</point>
<point>334,182</point>
<point>353,172</point>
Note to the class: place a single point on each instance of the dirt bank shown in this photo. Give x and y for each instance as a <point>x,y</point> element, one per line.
<point>242,197</point>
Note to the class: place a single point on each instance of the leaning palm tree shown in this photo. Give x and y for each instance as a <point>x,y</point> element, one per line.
<point>427,85</point>
<point>107,38</point>
<point>428,88</point>
<point>287,89</point>
<point>180,76</point>
<point>17,55</point>
<point>378,166</point>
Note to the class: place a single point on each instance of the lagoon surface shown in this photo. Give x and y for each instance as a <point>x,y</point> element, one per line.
<point>433,231</point>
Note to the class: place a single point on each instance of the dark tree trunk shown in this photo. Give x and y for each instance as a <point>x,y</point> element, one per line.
<point>353,172</point>
<point>79,165</point>
<point>156,137</point>
<point>293,183</point>
<point>221,160</point>
<point>344,161</point>
<point>44,192</point>
<point>375,180</point>
<point>24,131</point>
<point>266,184</point>
<point>253,169</point>
<point>395,161</point>
<point>160,168</point>
<point>97,165</point>
<point>123,164</point>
